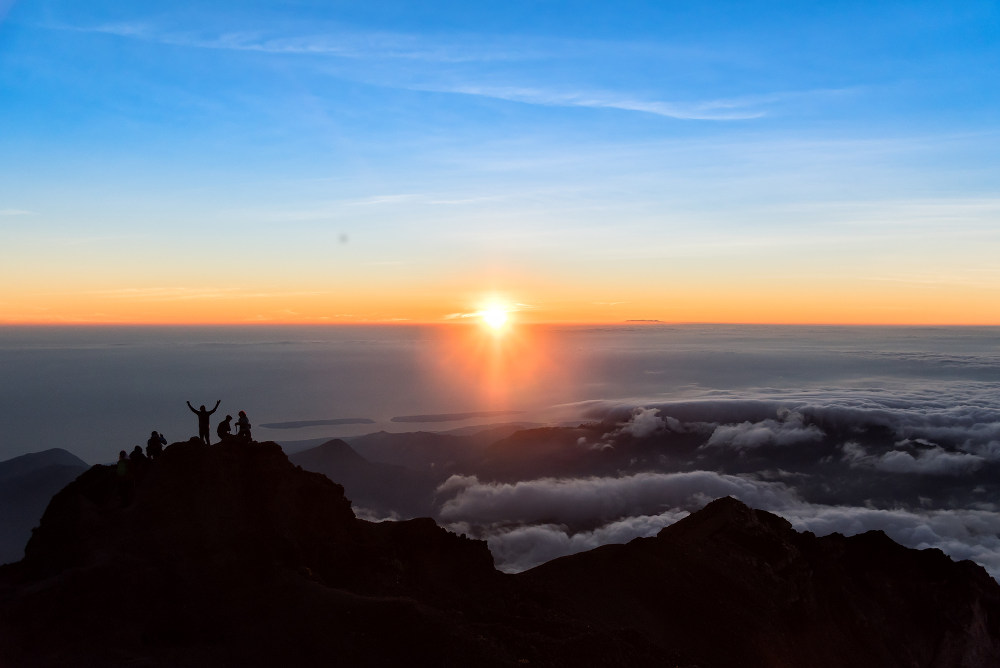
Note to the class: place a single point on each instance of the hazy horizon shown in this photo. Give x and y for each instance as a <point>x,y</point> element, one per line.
<point>539,371</point>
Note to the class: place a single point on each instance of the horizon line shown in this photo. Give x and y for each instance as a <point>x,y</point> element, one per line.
<point>453,323</point>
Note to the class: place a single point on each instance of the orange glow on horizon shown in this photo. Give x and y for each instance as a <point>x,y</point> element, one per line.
<point>856,303</point>
<point>501,372</point>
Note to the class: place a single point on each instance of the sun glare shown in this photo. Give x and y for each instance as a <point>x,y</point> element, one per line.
<point>495,317</point>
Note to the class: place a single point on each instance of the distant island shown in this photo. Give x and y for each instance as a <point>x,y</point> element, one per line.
<point>451,417</point>
<point>649,321</point>
<point>299,424</point>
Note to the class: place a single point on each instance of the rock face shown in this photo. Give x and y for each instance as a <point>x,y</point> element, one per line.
<point>231,555</point>
<point>736,586</point>
<point>222,554</point>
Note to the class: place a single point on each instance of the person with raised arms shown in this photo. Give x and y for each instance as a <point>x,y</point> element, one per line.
<point>204,428</point>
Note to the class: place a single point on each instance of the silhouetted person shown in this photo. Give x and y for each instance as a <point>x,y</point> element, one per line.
<point>154,446</point>
<point>124,478</point>
<point>137,463</point>
<point>243,428</point>
<point>204,428</point>
<point>225,430</point>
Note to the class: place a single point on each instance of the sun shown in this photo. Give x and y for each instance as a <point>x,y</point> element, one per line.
<point>495,317</point>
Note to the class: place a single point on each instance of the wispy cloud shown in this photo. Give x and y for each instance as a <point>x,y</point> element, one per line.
<point>16,212</point>
<point>186,294</point>
<point>506,308</point>
<point>388,46</point>
<point>337,42</point>
<point>714,110</point>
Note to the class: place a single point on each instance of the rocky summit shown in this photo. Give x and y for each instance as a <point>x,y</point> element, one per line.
<point>230,555</point>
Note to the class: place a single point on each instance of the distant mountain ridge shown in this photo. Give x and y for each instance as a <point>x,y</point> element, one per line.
<point>232,555</point>
<point>35,461</point>
<point>382,489</point>
<point>27,483</point>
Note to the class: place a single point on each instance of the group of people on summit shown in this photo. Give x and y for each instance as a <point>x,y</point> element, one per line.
<point>225,429</point>
<point>154,446</point>
<point>132,465</point>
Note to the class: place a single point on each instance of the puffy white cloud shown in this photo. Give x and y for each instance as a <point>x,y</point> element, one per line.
<point>593,501</point>
<point>932,460</point>
<point>524,547</point>
<point>644,422</point>
<point>962,414</point>
<point>370,515</point>
<point>788,429</point>
<point>641,423</point>
<point>935,461</point>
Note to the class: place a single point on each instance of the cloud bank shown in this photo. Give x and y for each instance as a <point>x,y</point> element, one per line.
<point>921,465</point>
<point>531,522</point>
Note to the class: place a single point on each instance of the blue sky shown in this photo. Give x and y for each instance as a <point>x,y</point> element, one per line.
<point>661,155</point>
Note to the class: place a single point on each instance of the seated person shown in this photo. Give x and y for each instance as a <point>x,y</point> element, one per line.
<point>243,427</point>
<point>225,429</point>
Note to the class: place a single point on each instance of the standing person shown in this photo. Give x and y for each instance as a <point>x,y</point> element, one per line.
<point>204,428</point>
<point>124,478</point>
<point>137,463</point>
<point>243,427</point>
<point>154,446</point>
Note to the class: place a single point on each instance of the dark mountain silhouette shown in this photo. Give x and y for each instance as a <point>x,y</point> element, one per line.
<point>393,448</point>
<point>232,555</point>
<point>401,472</point>
<point>739,587</point>
<point>27,483</point>
<point>385,489</point>
<point>546,451</point>
<point>35,461</point>
<point>523,451</point>
<point>420,450</point>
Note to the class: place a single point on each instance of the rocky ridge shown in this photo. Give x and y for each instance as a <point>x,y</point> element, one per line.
<point>232,555</point>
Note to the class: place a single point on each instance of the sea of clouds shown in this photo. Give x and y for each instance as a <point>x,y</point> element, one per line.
<point>920,464</point>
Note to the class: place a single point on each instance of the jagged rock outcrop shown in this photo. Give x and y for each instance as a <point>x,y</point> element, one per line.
<point>737,586</point>
<point>231,555</point>
<point>225,553</point>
